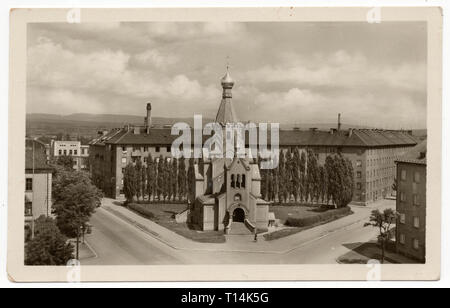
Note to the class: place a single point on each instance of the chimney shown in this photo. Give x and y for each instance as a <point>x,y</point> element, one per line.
<point>339,122</point>
<point>148,118</point>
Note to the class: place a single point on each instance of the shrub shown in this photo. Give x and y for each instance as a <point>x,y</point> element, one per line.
<point>143,210</point>
<point>319,218</point>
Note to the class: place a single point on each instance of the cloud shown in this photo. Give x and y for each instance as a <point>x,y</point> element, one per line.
<point>57,74</point>
<point>342,69</point>
<point>155,58</point>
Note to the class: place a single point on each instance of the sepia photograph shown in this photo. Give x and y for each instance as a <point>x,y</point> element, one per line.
<point>221,142</point>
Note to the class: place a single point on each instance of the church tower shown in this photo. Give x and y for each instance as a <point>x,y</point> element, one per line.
<point>226,113</point>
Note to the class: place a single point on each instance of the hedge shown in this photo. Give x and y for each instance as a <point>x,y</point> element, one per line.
<point>143,210</point>
<point>320,217</point>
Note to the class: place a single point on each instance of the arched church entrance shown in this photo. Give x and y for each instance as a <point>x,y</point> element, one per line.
<point>238,215</point>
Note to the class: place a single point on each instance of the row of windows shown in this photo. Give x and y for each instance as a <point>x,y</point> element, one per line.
<point>404,176</point>
<point>145,149</point>
<point>75,152</point>
<point>416,221</point>
<point>415,242</point>
<point>237,181</point>
<point>415,198</point>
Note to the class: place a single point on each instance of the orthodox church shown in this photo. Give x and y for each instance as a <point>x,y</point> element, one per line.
<point>228,191</point>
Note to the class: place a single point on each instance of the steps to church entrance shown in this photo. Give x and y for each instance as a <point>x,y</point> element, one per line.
<point>239,228</point>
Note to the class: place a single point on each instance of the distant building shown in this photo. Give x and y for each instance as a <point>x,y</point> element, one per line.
<point>411,202</point>
<point>38,184</point>
<point>371,151</point>
<point>74,149</point>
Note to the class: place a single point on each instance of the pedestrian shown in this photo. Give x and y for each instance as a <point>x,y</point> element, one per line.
<point>256,236</point>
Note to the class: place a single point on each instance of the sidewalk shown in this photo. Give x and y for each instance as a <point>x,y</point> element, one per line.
<point>242,243</point>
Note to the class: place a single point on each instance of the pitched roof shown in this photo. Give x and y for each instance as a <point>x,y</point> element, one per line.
<point>347,138</point>
<point>416,155</point>
<point>40,160</point>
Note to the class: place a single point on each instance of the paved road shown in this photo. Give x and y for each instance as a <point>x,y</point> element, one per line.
<point>118,243</point>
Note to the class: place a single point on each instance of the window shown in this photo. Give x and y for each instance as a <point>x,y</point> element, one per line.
<point>123,170</point>
<point>60,152</point>
<point>243,181</point>
<point>237,197</point>
<point>403,175</point>
<point>168,149</point>
<point>416,244</point>
<point>416,222</point>
<point>402,239</point>
<point>145,149</point>
<point>416,177</point>
<point>124,160</point>
<point>124,150</point>
<point>157,149</point>
<point>358,185</point>
<point>415,199</point>
<point>402,197</point>
<point>358,163</point>
<point>402,218</point>
<point>29,184</point>
<point>65,152</point>
<point>28,208</point>
<point>358,174</point>
<point>75,152</point>
<point>70,152</point>
<point>238,181</point>
<point>233,183</point>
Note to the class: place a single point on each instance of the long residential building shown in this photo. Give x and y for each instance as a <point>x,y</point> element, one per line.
<point>372,152</point>
<point>411,202</point>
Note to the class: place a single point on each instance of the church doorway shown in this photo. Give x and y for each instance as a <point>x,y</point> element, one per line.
<point>238,215</point>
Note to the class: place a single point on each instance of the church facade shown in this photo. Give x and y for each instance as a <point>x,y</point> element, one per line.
<point>228,191</point>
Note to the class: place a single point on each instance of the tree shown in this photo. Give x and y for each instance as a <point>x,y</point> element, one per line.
<point>323,176</point>
<point>75,199</point>
<point>281,177</point>
<point>160,177</point>
<point>182,179</point>
<point>330,170</point>
<point>173,179</point>
<point>129,182</point>
<point>394,185</point>
<point>383,221</point>
<point>296,178</point>
<point>65,161</point>
<point>138,178</point>
<point>150,176</point>
<point>49,246</point>
<point>191,180</point>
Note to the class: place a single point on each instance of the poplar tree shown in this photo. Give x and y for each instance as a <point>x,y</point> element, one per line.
<point>296,184</point>
<point>174,179</point>
<point>160,178</point>
<point>150,176</point>
<point>129,185</point>
<point>191,180</point>
<point>182,179</point>
<point>138,178</point>
<point>281,177</point>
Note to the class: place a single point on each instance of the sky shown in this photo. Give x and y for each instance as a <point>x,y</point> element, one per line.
<point>286,72</point>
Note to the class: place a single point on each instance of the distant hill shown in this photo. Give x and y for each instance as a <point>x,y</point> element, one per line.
<point>86,124</point>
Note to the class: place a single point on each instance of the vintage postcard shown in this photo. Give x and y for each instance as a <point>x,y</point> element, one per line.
<point>225,144</point>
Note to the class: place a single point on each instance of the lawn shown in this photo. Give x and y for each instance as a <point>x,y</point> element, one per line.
<point>164,215</point>
<point>302,217</point>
